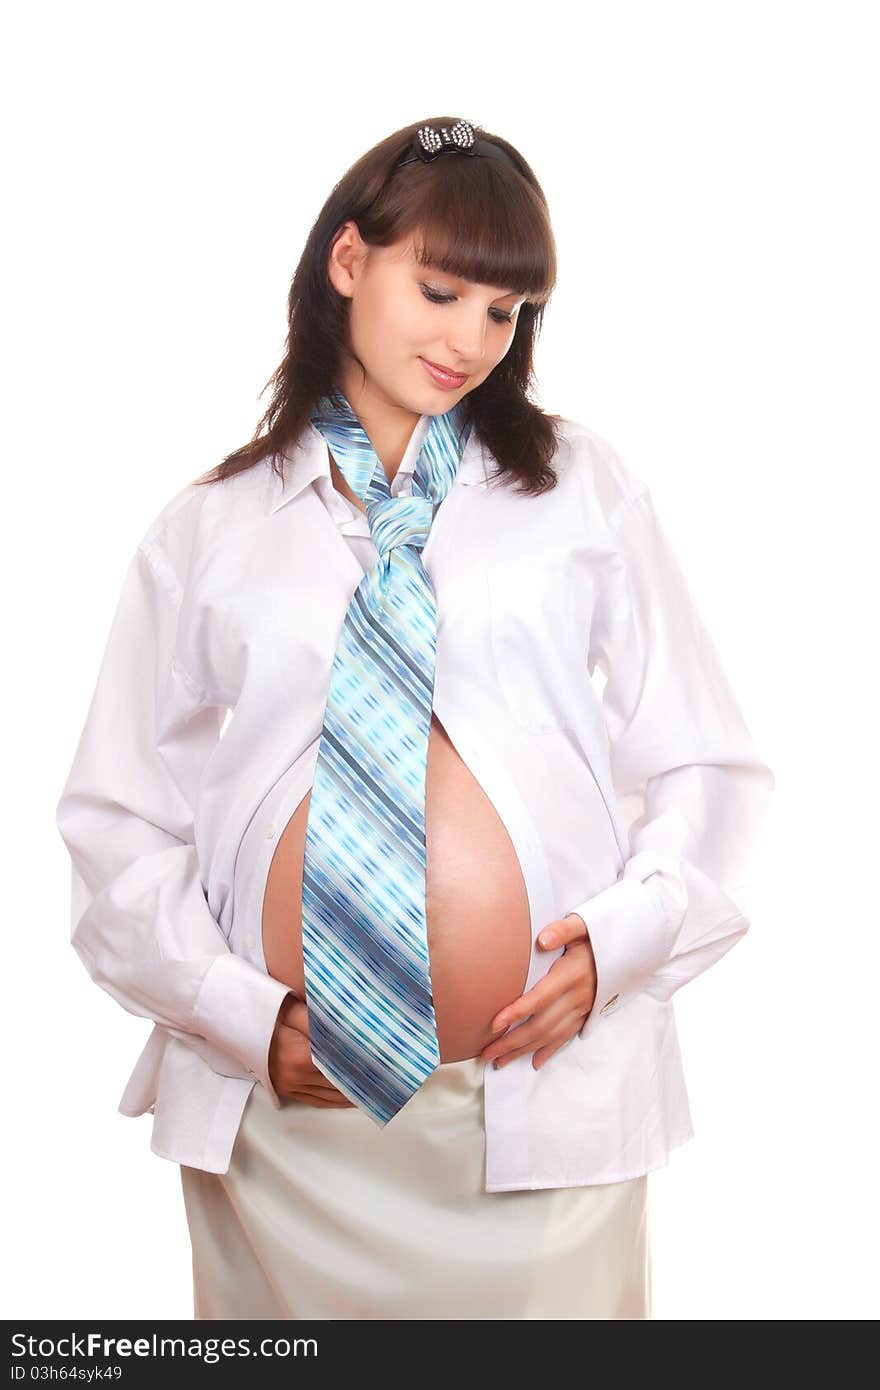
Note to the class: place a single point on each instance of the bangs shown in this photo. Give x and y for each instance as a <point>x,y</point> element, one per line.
<point>482,223</point>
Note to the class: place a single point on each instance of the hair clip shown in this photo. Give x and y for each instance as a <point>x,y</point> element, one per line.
<point>431,141</point>
<point>445,140</point>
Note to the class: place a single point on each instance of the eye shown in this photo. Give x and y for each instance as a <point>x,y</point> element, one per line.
<point>437,298</point>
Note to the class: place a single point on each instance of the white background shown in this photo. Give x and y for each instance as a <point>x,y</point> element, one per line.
<point>711,174</point>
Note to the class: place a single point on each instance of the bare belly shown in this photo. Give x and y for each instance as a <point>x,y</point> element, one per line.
<point>477,910</point>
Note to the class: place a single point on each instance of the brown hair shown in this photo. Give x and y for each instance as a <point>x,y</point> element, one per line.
<point>481,219</point>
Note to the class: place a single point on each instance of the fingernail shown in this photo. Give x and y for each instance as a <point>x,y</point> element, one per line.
<point>548,938</point>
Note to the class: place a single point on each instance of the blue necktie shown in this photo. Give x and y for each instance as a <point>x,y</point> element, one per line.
<point>365,945</point>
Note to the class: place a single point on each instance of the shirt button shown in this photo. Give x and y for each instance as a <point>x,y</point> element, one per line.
<point>270,831</point>
<point>251,1072</point>
<point>249,939</point>
<point>609,1004</point>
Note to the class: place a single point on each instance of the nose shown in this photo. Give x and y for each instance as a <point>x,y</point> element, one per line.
<point>467,340</point>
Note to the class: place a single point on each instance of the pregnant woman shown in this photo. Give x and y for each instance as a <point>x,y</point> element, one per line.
<point>344,818</point>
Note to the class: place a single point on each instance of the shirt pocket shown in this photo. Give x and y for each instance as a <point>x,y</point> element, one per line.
<point>535,641</point>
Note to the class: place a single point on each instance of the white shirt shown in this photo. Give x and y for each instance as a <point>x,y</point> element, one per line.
<point>575,678</point>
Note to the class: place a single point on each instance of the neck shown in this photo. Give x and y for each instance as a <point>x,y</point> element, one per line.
<point>388,425</point>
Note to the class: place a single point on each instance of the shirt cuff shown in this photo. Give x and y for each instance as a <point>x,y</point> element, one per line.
<point>630,935</point>
<point>237,1008</point>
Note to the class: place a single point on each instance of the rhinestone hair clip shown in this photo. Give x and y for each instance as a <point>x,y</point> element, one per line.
<point>431,141</point>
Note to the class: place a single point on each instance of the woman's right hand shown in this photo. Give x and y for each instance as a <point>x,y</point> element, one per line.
<point>291,1069</point>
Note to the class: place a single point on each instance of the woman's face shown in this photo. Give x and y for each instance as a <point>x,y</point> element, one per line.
<point>403,315</point>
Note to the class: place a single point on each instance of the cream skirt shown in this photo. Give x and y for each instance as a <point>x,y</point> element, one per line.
<point>322,1214</point>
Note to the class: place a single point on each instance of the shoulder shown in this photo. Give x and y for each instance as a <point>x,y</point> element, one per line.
<point>610,484</point>
<point>199,514</point>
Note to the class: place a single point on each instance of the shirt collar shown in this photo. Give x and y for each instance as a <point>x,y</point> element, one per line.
<point>307,461</point>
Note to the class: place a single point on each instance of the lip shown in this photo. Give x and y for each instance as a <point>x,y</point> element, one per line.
<point>449,381</point>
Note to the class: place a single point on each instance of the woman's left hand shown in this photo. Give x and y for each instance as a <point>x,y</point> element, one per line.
<point>557,1006</point>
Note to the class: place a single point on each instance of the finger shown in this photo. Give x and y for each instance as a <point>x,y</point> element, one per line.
<point>324,1104</point>
<point>542,1026</point>
<point>551,987</point>
<point>306,1088</point>
<point>541,1054</point>
<point>563,930</point>
<point>566,1028</point>
<point>318,1088</point>
<point>295,1014</point>
<point>499,1062</point>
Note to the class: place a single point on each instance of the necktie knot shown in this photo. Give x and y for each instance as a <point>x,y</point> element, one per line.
<point>399,521</point>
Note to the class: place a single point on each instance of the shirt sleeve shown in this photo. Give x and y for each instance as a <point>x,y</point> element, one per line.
<point>684,762</point>
<point>140,920</point>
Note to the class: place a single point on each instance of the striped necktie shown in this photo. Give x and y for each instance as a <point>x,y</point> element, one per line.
<point>372,1027</point>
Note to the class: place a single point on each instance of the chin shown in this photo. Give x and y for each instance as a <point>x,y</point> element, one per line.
<point>423,400</point>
